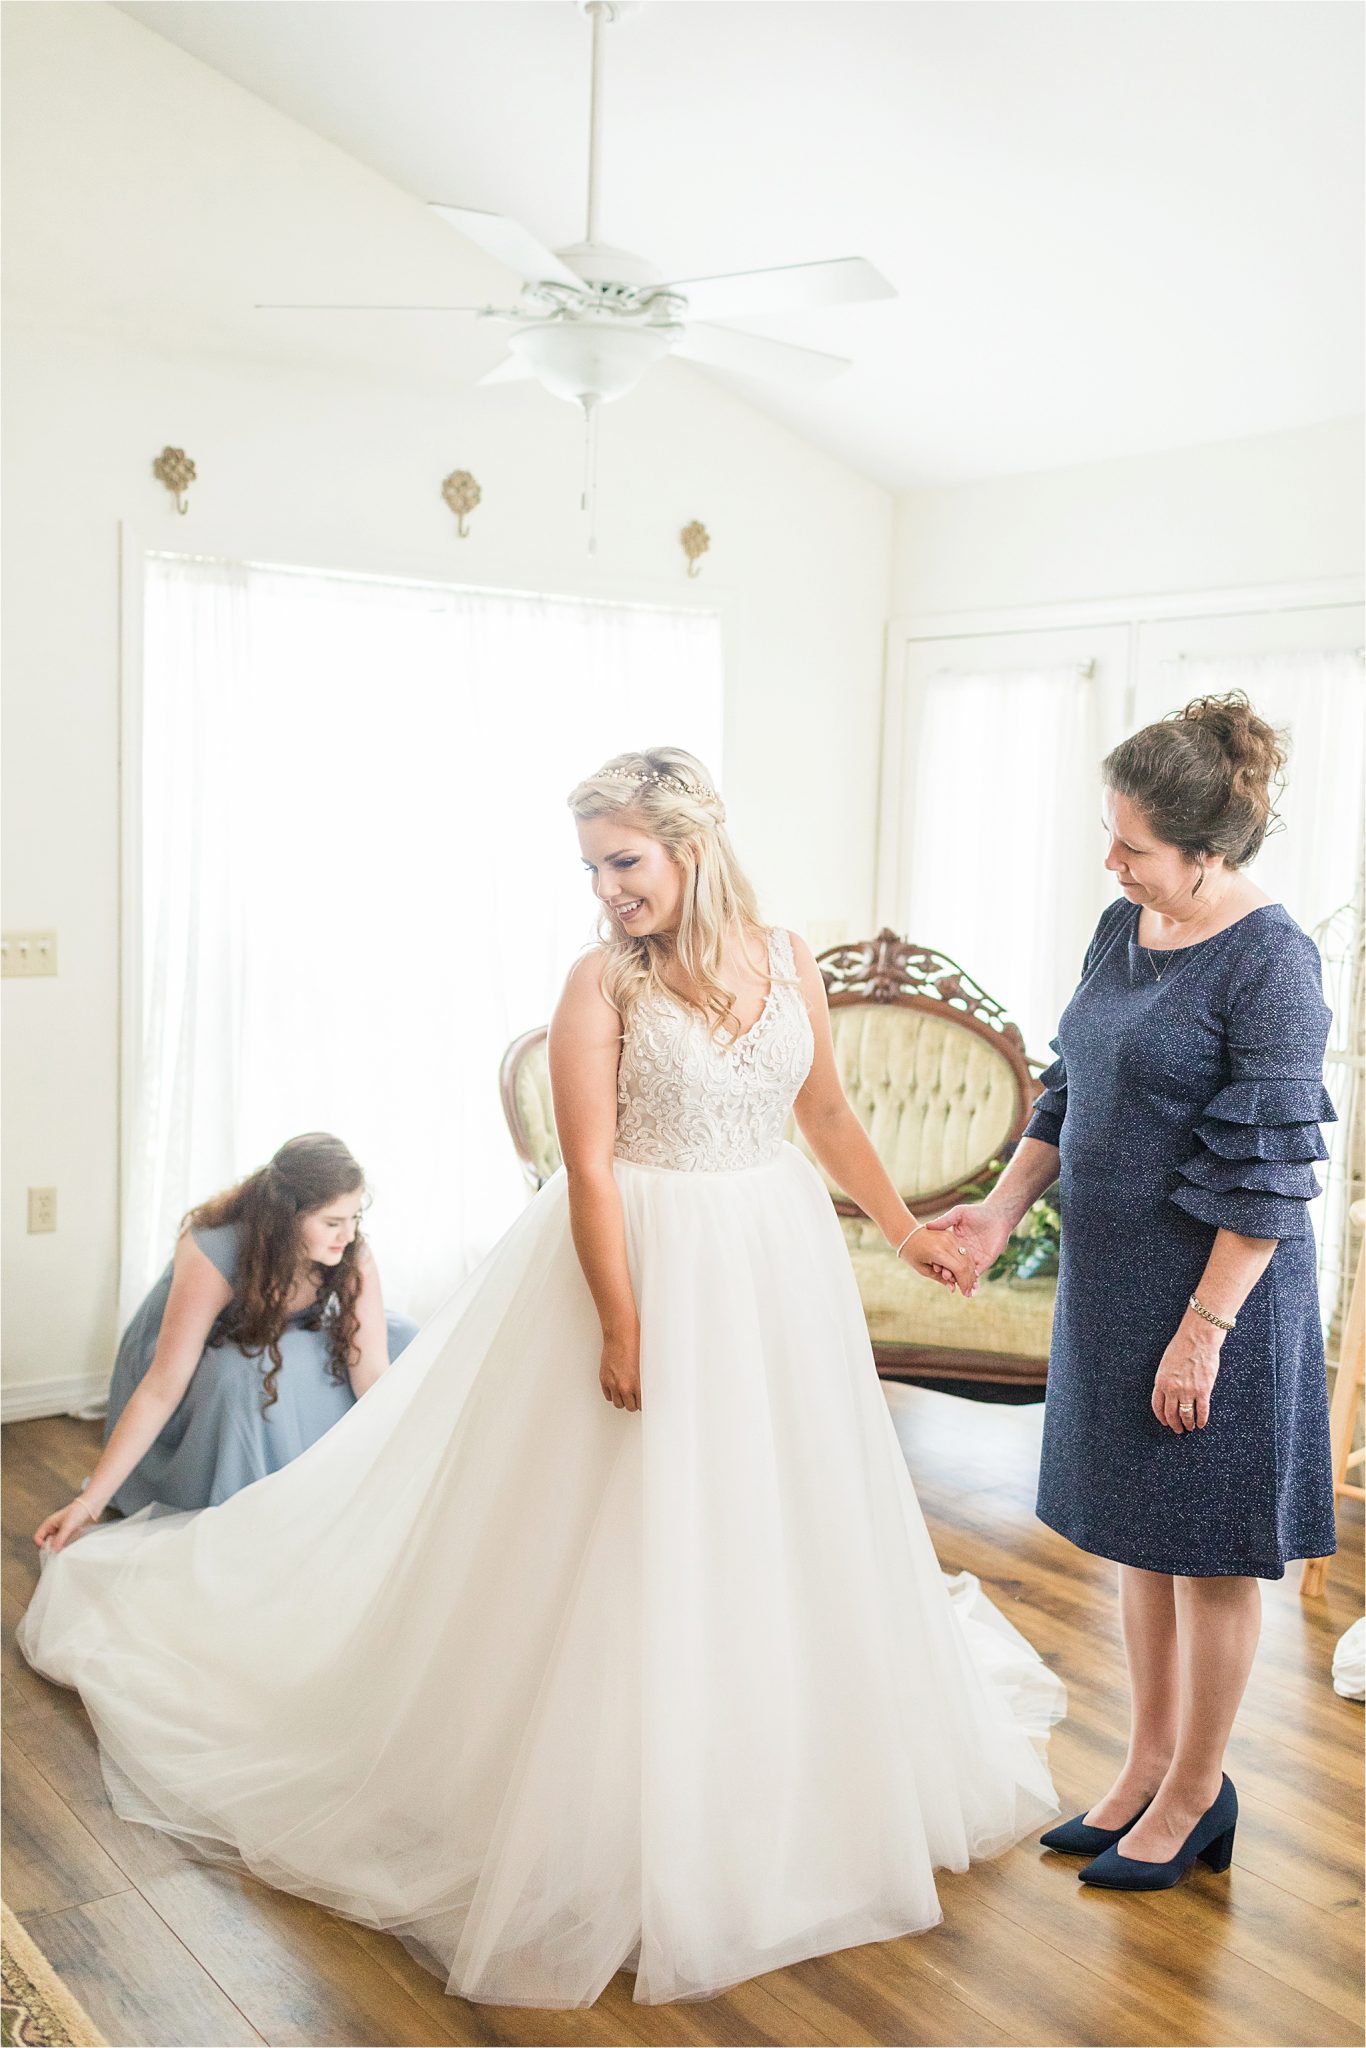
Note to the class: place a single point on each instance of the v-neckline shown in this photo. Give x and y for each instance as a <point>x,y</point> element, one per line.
<point>743,1037</point>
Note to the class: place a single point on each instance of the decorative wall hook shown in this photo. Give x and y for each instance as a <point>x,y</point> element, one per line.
<point>174,468</point>
<point>462,494</point>
<point>695,541</point>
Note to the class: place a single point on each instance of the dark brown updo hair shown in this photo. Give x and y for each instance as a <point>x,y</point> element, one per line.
<point>269,1207</point>
<point>1205,778</point>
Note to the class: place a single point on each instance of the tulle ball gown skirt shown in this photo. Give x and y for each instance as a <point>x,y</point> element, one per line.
<point>549,1688</point>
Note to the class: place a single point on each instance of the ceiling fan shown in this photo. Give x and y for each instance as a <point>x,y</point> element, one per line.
<point>591,319</point>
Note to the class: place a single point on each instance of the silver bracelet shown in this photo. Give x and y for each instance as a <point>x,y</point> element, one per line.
<point>907,1238</point>
<point>1209,1315</point>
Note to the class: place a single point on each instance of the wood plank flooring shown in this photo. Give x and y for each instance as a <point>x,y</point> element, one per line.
<point>162,1949</point>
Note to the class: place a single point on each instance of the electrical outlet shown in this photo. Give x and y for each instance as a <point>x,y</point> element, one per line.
<point>28,953</point>
<point>42,1209</point>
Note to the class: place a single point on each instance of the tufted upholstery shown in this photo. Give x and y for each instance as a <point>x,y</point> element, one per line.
<point>941,1084</point>
<point>938,1101</point>
<point>524,1081</point>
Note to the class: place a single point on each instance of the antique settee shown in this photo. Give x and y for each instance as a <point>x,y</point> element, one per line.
<point>939,1076</point>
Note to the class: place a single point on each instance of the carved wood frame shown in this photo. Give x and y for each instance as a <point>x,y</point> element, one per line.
<point>897,972</point>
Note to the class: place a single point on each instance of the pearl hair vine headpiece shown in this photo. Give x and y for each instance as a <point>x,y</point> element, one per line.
<point>638,776</point>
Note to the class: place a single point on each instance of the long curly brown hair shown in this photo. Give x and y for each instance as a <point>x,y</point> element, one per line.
<point>268,1208</point>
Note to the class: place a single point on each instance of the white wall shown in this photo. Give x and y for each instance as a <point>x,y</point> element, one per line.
<point>337,464</point>
<point>1279,508</point>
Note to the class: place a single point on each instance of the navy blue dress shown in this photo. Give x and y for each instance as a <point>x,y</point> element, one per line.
<point>1180,1105</point>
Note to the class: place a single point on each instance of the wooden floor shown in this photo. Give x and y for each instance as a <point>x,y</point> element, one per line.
<point>160,1949</point>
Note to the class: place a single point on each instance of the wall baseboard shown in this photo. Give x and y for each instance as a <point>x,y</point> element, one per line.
<point>26,1400</point>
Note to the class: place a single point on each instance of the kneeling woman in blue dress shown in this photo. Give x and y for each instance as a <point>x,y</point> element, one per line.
<point>260,1334</point>
<point>1186,1423</point>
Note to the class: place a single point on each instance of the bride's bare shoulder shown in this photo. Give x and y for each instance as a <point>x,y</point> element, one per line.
<point>583,1000</point>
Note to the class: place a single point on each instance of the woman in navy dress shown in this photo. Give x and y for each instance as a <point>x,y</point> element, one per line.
<point>1186,1423</point>
<point>260,1334</point>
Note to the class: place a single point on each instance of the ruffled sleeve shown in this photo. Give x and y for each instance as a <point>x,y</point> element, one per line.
<point>1257,1138</point>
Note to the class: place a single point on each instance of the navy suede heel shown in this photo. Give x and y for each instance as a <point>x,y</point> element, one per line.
<point>1209,1841</point>
<point>1076,1838</point>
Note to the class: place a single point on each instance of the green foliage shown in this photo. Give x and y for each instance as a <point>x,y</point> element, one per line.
<point>1031,1250</point>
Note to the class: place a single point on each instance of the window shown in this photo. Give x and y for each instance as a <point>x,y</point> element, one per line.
<point>358,880</point>
<point>1002,845</point>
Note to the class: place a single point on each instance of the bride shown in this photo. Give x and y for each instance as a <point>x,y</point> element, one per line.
<point>605,1631</point>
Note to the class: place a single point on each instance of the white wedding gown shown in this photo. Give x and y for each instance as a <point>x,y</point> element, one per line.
<point>549,1688</point>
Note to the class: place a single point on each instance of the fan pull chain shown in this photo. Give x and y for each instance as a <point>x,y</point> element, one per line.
<point>588,501</point>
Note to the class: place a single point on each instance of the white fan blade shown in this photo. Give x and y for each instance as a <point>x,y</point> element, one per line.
<point>511,370</point>
<point>754,355</point>
<point>268,307</point>
<point>510,243</point>
<point>746,294</point>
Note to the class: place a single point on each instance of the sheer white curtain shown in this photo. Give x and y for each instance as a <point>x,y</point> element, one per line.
<point>183,1014</point>
<point>1004,873</point>
<point>360,879</point>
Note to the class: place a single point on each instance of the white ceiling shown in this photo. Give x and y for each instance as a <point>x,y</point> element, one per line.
<point>1114,227</point>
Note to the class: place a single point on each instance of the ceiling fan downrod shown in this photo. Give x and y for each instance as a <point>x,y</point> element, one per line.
<point>599,13</point>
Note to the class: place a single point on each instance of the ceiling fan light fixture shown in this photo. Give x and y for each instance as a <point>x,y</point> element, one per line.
<point>590,362</point>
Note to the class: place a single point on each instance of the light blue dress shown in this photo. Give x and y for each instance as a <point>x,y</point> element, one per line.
<point>218,1440</point>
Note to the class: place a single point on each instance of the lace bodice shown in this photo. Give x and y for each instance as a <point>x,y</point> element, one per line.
<point>688,1101</point>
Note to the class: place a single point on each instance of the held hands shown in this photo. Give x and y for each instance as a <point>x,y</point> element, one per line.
<point>1185,1378</point>
<point>65,1526</point>
<point>941,1255</point>
<point>619,1373</point>
<point>980,1229</point>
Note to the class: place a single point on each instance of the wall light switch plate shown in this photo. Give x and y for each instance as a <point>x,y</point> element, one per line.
<point>28,953</point>
<point>42,1210</point>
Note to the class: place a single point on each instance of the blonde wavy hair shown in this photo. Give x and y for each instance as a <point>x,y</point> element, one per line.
<point>668,794</point>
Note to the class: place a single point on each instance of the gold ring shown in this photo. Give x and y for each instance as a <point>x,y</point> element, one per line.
<point>1185,1407</point>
